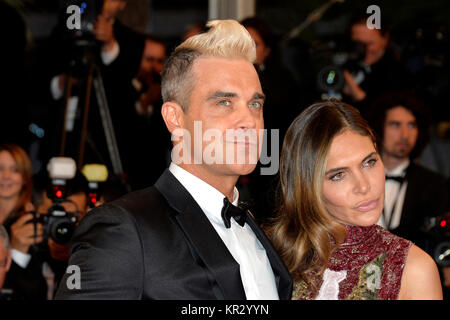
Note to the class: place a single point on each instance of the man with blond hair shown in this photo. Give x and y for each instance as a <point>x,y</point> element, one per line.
<point>184,237</point>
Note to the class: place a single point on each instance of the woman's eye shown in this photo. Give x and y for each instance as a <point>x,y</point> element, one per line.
<point>370,163</point>
<point>337,176</point>
<point>225,103</point>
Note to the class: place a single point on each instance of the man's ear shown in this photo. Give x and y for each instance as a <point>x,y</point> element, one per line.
<point>173,116</point>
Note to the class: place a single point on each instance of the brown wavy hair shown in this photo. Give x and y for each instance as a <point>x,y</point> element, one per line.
<point>23,164</point>
<point>303,232</point>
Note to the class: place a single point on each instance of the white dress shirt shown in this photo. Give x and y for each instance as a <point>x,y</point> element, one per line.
<point>256,272</point>
<point>393,194</point>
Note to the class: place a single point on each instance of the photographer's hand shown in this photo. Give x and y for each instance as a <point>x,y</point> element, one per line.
<point>59,251</point>
<point>22,233</point>
<point>352,89</point>
<point>104,32</point>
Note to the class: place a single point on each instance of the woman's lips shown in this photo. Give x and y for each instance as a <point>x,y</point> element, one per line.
<point>367,205</point>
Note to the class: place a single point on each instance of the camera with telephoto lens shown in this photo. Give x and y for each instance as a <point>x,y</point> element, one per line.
<point>330,60</point>
<point>84,47</point>
<point>438,232</point>
<point>58,224</point>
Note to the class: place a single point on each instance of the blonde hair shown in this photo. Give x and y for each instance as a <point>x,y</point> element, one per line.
<point>304,233</point>
<point>225,39</point>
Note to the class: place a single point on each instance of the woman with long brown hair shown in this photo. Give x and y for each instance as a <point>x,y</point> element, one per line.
<point>24,277</point>
<point>15,181</point>
<point>332,194</point>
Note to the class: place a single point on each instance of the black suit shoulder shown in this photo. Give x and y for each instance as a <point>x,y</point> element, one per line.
<point>107,249</point>
<point>419,171</point>
<point>114,244</point>
<point>426,195</point>
<point>429,186</point>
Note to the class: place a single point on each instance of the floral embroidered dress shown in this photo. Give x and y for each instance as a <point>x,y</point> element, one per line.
<point>367,266</point>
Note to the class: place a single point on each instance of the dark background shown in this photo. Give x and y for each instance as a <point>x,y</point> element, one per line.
<point>419,31</point>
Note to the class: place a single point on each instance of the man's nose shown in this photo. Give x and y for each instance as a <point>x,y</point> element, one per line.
<point>245,118</point>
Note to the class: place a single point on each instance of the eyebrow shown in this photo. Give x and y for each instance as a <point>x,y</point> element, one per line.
<point>259,96</point>
<point>225,94</point>
<point>222,94</point>
<point>344,168</point>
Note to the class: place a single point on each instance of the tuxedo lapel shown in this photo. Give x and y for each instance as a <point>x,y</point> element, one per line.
<point>282,277</point>
<point>204,241</point>
<point>411,195</point>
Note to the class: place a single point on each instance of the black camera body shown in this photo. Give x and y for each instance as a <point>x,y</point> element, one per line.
<point>437,230</point>
<point>330,59</point>
<point>84,49</point>
<point>58,224</point>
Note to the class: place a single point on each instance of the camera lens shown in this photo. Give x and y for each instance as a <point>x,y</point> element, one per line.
<point>330,78</point>
<point>442,254</point>
<point>61,231</point>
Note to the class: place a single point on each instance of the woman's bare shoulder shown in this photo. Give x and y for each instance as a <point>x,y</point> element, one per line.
<point>420,279</point>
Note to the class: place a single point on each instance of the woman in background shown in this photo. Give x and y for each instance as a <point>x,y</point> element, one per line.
<point>332,193</point>
<point>15,182</point>
<point>24,276</point>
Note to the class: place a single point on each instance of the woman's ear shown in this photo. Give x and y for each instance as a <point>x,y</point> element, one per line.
<point>173,116</point>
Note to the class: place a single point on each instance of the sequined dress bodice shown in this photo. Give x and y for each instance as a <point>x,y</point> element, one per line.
<point>367,266</point>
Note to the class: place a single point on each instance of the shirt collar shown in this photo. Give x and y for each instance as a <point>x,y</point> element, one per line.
<point>207,197</point>
<point>399,171</point>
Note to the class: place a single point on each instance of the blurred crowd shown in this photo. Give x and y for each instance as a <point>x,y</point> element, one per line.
<point>59,108</point>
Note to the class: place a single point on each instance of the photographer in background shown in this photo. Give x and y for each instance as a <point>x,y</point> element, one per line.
<point>117,53</point>
<point>380,69</point>
<point>76,203</point>
<point>37,269</point>
<point>15,204</point>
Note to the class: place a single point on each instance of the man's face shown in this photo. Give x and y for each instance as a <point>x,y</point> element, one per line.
<point>375,43</point>
<point>78,203</point>
<point>400,133</point>
<point>153,57</point>
<point>112,7</point>
<point>227,98</point>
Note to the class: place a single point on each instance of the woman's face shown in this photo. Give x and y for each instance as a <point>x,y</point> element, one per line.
<point>353,186</point>
<point>11,180</point>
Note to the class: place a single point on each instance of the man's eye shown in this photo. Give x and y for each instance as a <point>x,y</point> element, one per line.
<point>255,104</point>
<point>225,103</point>
<point>394,125</point>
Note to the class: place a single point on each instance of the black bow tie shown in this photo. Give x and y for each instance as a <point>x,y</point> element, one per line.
<point>399,179</point>
<point>229,210</point>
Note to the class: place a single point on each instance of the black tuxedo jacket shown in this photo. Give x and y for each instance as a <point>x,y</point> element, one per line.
<point>157,243</point>
<point>427,195</point>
